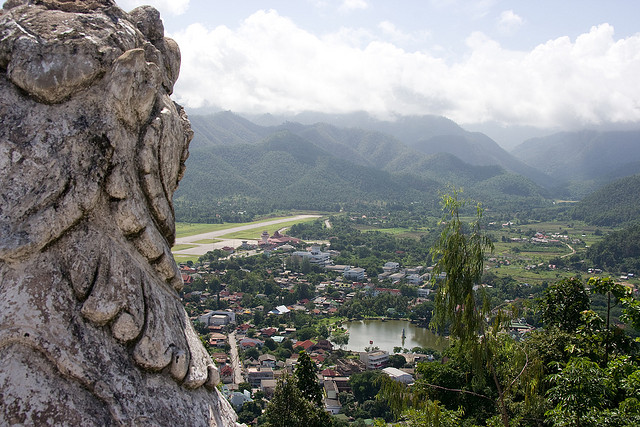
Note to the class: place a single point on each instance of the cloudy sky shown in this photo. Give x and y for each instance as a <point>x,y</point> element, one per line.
<point>544,63</point>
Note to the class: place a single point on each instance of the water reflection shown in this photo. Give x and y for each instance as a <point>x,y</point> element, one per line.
<point>388,334</point>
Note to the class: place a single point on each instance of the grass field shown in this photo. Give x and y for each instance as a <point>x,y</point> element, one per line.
<point>254,234</point>
<point>522,254</point>
<point>184,258</point>
<point>181,247</point>
<point>206,241</point>
<point>184,229</point>
<point>415,233</point>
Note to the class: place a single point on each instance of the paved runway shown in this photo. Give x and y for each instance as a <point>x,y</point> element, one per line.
<point>203,248</point>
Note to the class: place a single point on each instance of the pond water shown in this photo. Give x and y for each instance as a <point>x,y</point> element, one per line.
<point>388,334</point>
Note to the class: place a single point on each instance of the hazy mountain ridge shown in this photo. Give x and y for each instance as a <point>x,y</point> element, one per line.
<point>224,128</point>
<point>433,135</point>
<point>337,166</point>
<point>367,141</point>
<point>288,169</point>
<point>583,160</point>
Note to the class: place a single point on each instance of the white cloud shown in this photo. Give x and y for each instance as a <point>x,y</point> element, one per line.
<point>509,21</point>
<point>172,7</point>
<point>350,5</point>
<point>389,29</point>
<point>269,64</point>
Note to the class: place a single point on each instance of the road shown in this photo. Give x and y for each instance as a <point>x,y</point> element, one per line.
<point>573,251</point>
<point>203,248</point>
<point>235,362</point>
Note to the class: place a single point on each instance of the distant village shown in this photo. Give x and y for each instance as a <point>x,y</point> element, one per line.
<point>252,357</point>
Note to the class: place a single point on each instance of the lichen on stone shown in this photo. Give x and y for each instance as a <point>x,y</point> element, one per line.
<point>92,148</point>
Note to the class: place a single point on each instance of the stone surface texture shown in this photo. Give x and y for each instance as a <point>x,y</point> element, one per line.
<point>92,331</point>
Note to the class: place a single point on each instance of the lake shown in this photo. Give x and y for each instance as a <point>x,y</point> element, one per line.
<point>388,334</point>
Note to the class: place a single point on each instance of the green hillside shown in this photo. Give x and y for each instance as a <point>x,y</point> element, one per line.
<point>614,204</point>
<point>618,252</point>
<point>237,166</point>
<point>287,172</point>
<point>583,160</point>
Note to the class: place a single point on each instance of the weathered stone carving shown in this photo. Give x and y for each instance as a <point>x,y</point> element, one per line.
<point>92,148</point>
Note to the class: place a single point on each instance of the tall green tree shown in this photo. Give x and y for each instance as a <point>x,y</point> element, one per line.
<point>614,291</point>
<point>460,255</point>
<point>288,408</point>
<point>432,414</point>
<point>306,379</point>
<point>562,304</point>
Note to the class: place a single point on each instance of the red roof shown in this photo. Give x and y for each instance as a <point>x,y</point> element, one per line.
<point>330,373</point>
<point>268,331</point>
<point>304,344</point>
<point>278,238</point>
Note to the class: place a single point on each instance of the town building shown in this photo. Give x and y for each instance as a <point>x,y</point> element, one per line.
<point>315,256</point>
<point>213,318</point>
<point>398,375</point>
<point>267,360</point>
<point>375,359</point>
<point>256,375</point>
<point>356,273</point>
<point>332,406</point>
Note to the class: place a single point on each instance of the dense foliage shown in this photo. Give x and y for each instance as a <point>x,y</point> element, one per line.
<point>618,252</point>
<point>614,204</point>
<point>260,169</point>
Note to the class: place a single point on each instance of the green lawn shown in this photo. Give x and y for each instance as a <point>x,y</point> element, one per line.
<point>207,241</point>
<point>254,234</point>
<point>181,247</point>
<point>184,229</point>
<point>184,258</point>
<point>397,231</point>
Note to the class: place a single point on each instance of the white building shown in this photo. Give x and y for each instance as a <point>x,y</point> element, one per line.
<point>396,277</point>
<point>423,292</point>
<point>208,318</point>
<point>375,359</point>
<point>315,255</point>
<point>354,274</point>
<point>281,309</point>
<point>398,375</point>
<point>337,268</point>
<point>213,318</point>
<point>414,279</point>
<point>332,406</point>
<point>391,267</point>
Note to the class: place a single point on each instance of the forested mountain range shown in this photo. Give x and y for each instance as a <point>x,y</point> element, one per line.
<point>583,160</point>
<point>293,173</point>
<point>322,166</point>
<point>331,161</point>
<point>617,203</point>
<point>369,141</point>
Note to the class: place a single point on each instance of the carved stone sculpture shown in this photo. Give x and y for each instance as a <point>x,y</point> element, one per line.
<point>92,331</point>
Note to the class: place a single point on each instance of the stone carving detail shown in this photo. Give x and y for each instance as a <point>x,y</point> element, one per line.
<point>92,148</point>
